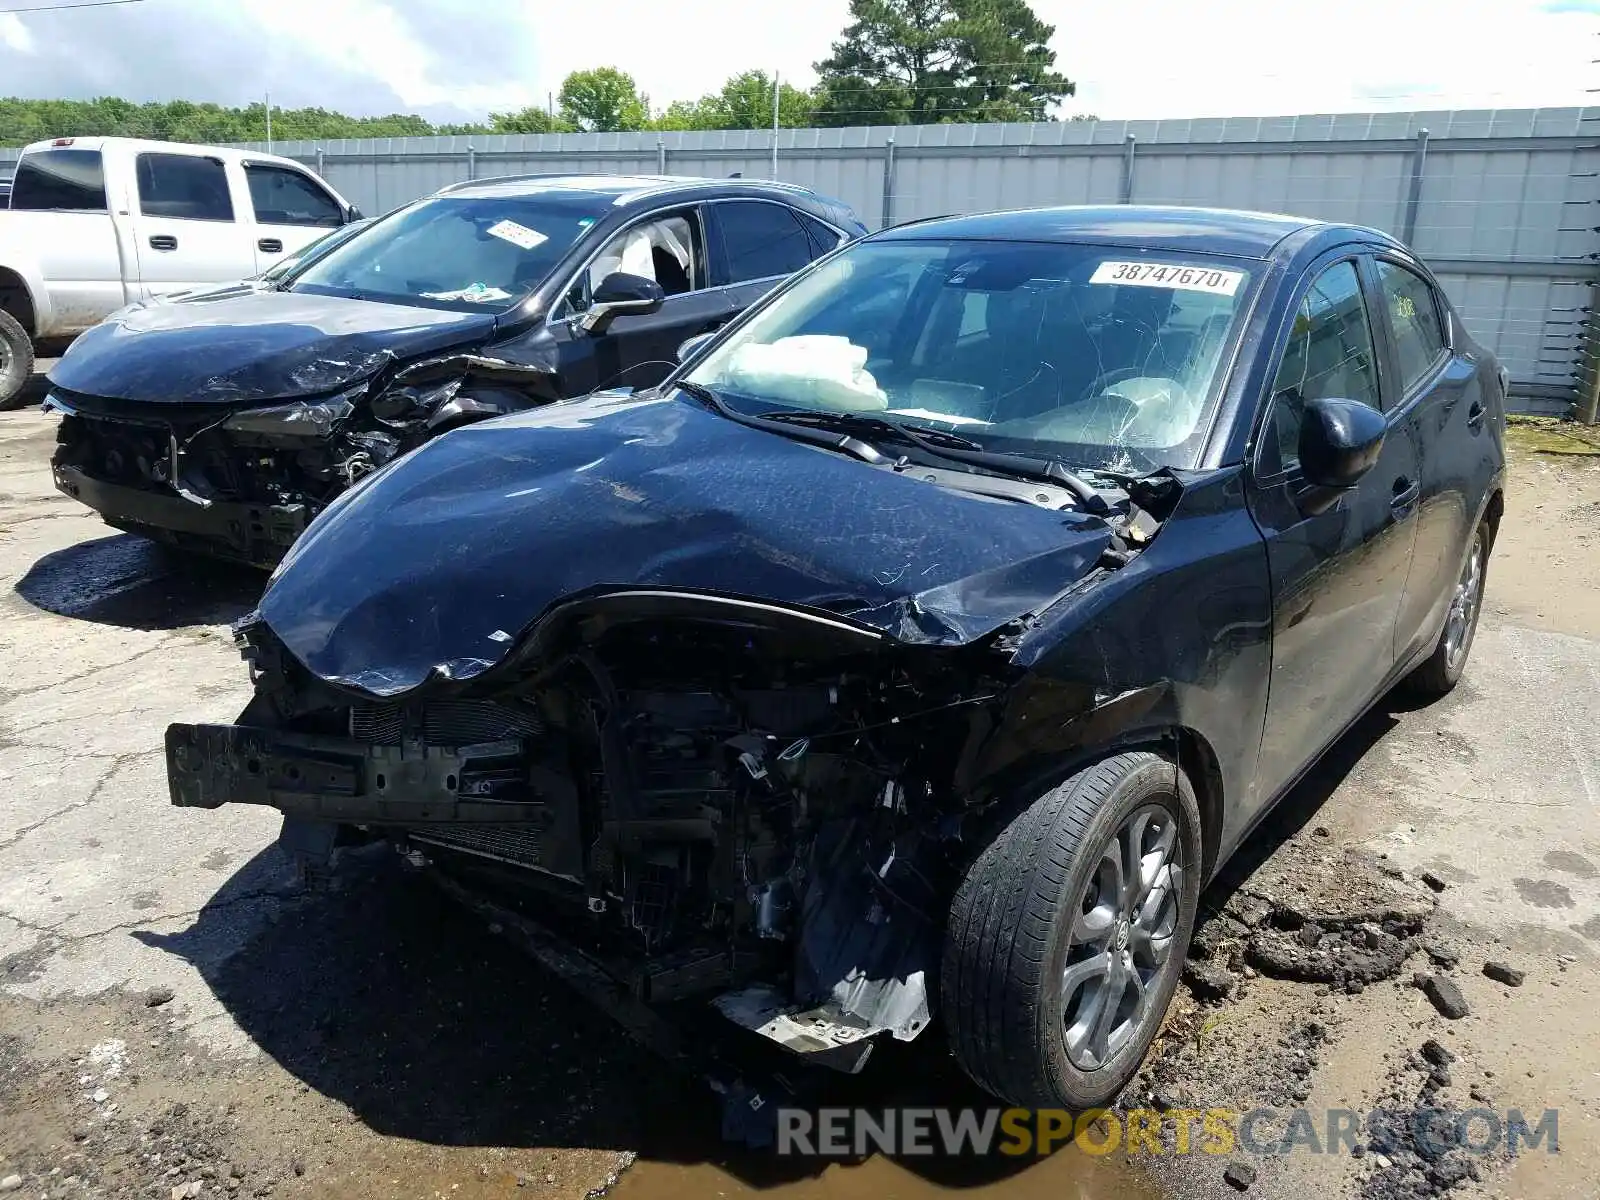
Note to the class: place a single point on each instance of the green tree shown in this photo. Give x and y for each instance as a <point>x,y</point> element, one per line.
<point>928,61</point>
<point>744,102</point>
<point>602,100</point>
<point>528,120</point>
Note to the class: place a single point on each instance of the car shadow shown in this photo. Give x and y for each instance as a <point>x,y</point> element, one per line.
<point>1303,801</point>
<point>393,1000</point>
<point>134,583</point>
<point>389,998</point>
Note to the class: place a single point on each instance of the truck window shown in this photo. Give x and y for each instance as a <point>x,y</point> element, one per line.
<point>284,197</point>
<point>61,181</point>
<point>184,186</point>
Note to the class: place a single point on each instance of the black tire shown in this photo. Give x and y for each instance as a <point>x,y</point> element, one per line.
<point>16,362</point>
<point>1012,926</point>
<point>1439,673</point>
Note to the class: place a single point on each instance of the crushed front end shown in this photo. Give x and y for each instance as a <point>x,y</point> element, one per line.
<point>701,799</point>
<point>242,482</point>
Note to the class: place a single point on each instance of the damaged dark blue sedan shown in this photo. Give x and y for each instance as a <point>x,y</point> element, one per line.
<point>915,653</point>
<point>223,421</point>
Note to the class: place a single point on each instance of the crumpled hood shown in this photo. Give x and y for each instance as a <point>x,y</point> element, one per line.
<point>439,563</point>
<point>254,347</point>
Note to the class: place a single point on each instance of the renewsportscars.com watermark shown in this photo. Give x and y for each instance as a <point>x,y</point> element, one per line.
<point>970,1132</point>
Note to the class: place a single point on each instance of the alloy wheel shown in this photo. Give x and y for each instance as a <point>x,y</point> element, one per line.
<point>1121,937</point>
<point>1464,604</point>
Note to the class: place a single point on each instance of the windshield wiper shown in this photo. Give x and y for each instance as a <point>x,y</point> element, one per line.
<point>953,447</point>
<point>849,444</point>
<point>878,426</point>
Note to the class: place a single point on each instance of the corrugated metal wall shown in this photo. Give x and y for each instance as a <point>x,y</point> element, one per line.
<point>1501,203</point>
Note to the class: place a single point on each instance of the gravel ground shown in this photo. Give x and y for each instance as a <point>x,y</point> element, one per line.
<point>175,1016</point>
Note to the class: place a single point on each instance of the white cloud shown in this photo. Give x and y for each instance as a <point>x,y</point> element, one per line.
<point>1131,59</point>
<point>14,34</point>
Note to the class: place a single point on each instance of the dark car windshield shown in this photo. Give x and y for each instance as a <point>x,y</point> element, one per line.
<point>1101,357</point>
<point>477,253</point>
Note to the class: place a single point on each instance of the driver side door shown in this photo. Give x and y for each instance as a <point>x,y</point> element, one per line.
<point>1338,576</point>
<point>639,350</point>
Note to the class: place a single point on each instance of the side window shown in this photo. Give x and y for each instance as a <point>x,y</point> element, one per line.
<point>60,181</point>
<point>1412,311</point>
<point>823,237</point>
<point>1330,354</point>
<point>760,240</point>
<point>185,186</point>
<point>280,196</point>
<point>666,249</point>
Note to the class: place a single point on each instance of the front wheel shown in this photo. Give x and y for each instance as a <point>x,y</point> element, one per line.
<point>16,362</point>
<point>1068,934</point>
<point>1441,670</point>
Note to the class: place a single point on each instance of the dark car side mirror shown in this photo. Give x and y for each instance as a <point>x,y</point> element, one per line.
<point>352,214</point>
<point>689,347</point>
<point>621,293</point>
<point>1340,441</point>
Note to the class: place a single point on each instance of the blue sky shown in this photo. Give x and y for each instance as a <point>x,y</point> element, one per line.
<point>1131,58</point>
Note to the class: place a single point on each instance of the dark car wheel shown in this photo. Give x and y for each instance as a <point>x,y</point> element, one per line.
<point>1068,934</point>
<point>1442,669</point>
<point>16,362</point>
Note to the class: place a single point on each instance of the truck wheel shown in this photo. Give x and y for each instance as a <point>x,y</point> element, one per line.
<point>16,362</point>
<point>1068,935</point>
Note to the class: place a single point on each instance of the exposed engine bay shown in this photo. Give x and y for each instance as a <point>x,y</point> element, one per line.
<point>761,812</point>
<point>255,477</point>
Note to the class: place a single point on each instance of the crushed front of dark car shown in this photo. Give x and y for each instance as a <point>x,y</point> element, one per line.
<point>728,757</point>
<point>230,446</point>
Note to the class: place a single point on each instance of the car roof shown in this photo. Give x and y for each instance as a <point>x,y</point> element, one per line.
<point>618,190</point>
<point>1199,230</point>
<point>149,146</point>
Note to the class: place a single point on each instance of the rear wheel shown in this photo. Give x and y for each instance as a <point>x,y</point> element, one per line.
<point>1442,669</point>
<point>1068,935</point>
<point>16,362</point>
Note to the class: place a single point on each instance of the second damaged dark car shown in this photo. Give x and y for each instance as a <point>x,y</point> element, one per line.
<point>917,652</point>
<point>225,420</point>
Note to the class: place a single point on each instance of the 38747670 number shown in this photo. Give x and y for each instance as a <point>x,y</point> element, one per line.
<point>1169,275</point>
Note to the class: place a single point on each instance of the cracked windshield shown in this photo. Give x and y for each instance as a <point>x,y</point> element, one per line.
<point>1099,358</point>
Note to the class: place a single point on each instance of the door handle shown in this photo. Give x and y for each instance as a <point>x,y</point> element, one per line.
<point>163,241</point>
<point>1476,415</point>
<point>1404,499</point>
<point>270,246</point>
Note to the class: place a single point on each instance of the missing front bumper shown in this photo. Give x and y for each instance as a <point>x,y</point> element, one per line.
<point>257,534</point>
<point>335,779</point>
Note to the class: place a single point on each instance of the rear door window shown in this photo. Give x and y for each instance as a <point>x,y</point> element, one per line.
<point>60,181</point>
<point>760,240</point>
<point>184,186</point>
<point>1412,311</point>
<point>284,197</point>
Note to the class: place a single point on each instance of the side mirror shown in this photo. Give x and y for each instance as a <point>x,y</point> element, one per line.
<point>621,293</point>
<point>689,347</point>
<point>1340,441</point>
<point>352,215</point>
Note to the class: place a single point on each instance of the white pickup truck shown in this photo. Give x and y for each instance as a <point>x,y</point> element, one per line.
<point>96,223</point>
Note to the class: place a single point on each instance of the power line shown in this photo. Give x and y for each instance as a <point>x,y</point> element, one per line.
<point>49,8</point>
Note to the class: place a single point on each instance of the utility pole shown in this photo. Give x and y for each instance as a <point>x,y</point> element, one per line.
<point>269,122</point>
<point>777,92</point>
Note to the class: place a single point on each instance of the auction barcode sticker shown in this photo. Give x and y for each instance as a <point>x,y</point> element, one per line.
<point>1169,275</point>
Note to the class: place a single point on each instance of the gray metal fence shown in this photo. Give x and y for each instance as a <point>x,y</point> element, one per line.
<point>1501,203</point>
